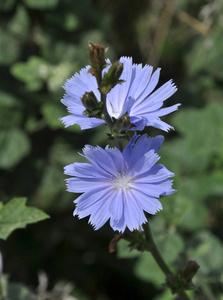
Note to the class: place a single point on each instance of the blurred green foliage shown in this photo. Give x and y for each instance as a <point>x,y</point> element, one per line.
<point>44,42</point>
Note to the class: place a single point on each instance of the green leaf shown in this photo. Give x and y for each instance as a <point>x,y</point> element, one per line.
<point>52,112</point>
<point>180,209</point>
<point>14,146</point>
<point>41,4</point>
<point>167,295</point>
<point>19,292</point>
<point>148,270</point>
<point>125,252</point>
<point>214,184</point>
<point>65,20</point>
<point>36,71</point>
<point>184,213</point>
<point>32,73</point>
<point>48,190</point>
<point>71,22</point>
<point>63,154</point>
<point>58,75</point>
<point>19,25</point>
<point>206,55</point>
<point>170,246</point>
<point>207,252</point>
<point>11,112</point>
<point>202,131</point>
<point>10,47</point>
<point>15,214</point>
<point>173,245</point>
<point>8,100</point>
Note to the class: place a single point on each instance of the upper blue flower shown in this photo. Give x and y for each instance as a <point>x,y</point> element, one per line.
<point>135,96</point>
<point>120,185</point>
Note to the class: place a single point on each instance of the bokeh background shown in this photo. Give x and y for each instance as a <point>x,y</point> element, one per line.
<point>44,42</point>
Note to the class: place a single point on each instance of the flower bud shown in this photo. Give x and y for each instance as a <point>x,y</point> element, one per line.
<point>115,72</point>
<point>190,270</point>
<point>89,101</point>
<point>96,55</point>
<point>111,78</point>
<point>122,124</point>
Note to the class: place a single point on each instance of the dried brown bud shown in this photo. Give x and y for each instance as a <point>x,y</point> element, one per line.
<point>190,270</point>
<point>114,242</point>
<point>96,55</point>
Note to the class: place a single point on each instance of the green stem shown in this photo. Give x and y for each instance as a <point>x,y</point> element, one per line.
<point>109,122</point>
<point>107,118</point>
<point>181,295</point>
<point>154,251</point>
<point>3,288</point>
<point>118,143</point>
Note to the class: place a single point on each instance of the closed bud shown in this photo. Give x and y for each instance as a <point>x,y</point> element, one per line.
<point>111,78</point>
<point>89,101</point>
<point>122,124</point>
<point>96,55</point>
<point>190,270</point>
<point>114,72</point>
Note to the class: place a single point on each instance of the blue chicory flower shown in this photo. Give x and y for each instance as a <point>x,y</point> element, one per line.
<point>135,96</point>
<point>120,185</point>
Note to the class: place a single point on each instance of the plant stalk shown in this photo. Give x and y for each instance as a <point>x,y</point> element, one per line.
<point>181,295</point>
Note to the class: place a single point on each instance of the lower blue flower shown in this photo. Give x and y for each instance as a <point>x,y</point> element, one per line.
<point>120,186</point>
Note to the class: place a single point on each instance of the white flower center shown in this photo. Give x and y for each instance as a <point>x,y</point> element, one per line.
<point>122,182</point>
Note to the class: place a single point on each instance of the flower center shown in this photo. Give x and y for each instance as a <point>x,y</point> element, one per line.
<point>122,182</point>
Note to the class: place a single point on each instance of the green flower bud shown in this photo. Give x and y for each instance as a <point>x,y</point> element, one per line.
<point>111,78</point>
<point>89,101</point>
<point>115,72</point>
